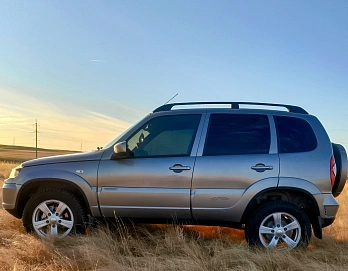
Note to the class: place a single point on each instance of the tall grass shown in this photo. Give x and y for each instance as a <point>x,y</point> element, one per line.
<point>5,169</point>
<point>155,247</point>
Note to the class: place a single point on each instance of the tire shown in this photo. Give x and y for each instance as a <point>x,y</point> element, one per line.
<point>269,226</point>
<point>54,213</point>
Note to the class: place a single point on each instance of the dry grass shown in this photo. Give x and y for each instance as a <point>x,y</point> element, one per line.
<point>5,169</point>
<point>156,247</point>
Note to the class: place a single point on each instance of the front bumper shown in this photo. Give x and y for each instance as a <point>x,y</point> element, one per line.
<point>9,197</point>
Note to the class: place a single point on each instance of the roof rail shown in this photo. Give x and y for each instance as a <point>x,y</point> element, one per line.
<point>234,105</point>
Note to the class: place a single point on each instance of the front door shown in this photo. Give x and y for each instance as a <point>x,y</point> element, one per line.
<point>155,181</point>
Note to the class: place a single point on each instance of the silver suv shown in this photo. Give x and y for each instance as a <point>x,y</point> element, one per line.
<point>273,173</point>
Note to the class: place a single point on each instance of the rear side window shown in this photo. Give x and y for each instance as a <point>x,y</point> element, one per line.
<point>294,135</point>
<point>232,134</point>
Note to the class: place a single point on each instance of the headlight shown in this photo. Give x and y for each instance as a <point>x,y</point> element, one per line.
<point>14,173</point>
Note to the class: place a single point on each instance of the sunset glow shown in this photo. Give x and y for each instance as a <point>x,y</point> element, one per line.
<point>74,128</point>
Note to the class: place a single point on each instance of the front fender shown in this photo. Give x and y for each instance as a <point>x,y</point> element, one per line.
<point>45,175</point>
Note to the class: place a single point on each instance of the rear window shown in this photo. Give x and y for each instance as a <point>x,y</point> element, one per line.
<point>231,134</point>
<point>294,135</point>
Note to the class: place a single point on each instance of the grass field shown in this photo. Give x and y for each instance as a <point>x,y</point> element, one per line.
<point>155,247</point>
<point>20,153</point>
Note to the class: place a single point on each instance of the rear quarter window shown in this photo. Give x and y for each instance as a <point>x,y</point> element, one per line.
<point>294,135</point>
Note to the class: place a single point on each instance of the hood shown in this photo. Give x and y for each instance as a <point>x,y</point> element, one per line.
<point>76,157</point>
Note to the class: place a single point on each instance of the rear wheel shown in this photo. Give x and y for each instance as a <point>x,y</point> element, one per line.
<point>54,212</point>
<point>278,225</point>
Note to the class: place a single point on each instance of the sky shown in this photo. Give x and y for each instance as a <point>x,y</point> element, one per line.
<point>87,70</point>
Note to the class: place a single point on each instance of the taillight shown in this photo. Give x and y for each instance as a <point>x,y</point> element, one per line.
<point>332,170</point>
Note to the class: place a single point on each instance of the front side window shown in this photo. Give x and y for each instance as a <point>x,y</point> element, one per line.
<point>165,136</point>
<point>294,135</point>
<point>234,134</point>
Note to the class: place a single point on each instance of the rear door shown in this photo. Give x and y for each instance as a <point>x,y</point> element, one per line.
<point>239,150</point>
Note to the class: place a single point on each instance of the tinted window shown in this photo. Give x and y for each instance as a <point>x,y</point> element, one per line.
<point>237,134</point>
<point>294,135</point>
<point>165,136</point>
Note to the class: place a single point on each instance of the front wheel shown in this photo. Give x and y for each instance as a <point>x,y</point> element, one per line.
<point>279,225</point>
<point>54,212</point>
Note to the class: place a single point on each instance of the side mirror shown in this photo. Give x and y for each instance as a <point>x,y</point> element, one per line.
<point>120,150</point>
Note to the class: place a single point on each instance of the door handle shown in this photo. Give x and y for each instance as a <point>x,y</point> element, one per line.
<point>261,167</point>
<point>179,167</point>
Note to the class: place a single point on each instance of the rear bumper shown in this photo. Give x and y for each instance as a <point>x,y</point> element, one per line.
<point>327,222</point>
<point>328,207</point>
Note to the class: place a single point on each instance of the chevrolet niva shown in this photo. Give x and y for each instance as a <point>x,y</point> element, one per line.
<point>273,173</point>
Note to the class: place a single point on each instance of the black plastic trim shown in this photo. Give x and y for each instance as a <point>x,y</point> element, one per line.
<point>327,221</point>
<point>250,207</point>
<point>13,212</point>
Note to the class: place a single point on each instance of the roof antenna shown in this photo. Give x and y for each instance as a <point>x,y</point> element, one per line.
<point>172,98</point>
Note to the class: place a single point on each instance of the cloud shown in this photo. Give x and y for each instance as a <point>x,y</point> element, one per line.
<point>98,60</point>
<point>65,127</point>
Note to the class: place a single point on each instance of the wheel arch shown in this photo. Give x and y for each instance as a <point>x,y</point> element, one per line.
<point>31,187</point>
<point>297,196</point>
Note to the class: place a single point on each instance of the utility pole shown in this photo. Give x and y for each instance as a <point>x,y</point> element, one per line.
<point>36,138</point>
